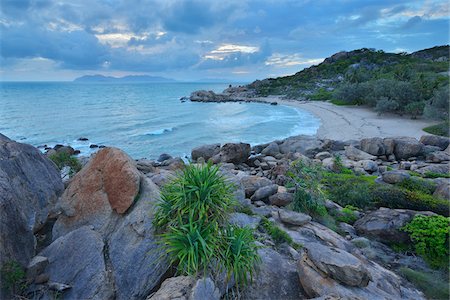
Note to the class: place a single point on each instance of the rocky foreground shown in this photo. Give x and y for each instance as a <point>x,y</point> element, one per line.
<point>93,238</point>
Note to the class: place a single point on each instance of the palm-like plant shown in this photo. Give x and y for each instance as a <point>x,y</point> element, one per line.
<point>191,246</point>
<point>238,253</point>
<point>198,193</point>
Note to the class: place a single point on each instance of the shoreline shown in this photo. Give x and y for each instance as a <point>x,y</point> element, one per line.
<point>354,122</point>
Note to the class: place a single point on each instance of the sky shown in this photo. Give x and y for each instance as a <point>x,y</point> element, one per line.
<point>240,41</point>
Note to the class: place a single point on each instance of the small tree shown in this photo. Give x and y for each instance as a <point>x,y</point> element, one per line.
<point>385,105</point>
<point>415,109</point>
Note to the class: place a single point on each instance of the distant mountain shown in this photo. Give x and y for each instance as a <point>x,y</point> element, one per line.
<point>130,78</point>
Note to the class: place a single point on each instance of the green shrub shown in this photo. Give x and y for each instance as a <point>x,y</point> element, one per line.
<point>62,159</point>
<point>308,196</point>
<point>198,193</point>
<point>436,175</point>
<point>349,189</point>
<point>348,215</point>
<point>415,109</point>
<point>321,94</point>
<point>430,236</point>
<point>13,277</point>
<point>386,105</point>
<point>193,214</point>
<point>438,106</point>
<point>396,197</point>
<point>432,285</point>
<point>418,184</point>
<point>339,166</point>
<point>238,253</point>
<point>278,235</point>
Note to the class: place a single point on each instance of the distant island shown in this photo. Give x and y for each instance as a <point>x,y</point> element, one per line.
<point>130,78</point>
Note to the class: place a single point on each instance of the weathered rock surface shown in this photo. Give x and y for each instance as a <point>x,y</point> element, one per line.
<point>338,264</point>
<point>277,278</point>
<point>395,176</point>
<point>281,199</point>
<point>356,154</point>
<point>174,288</point>
<point>272,149</point>
<point>383,284</point>
<point>232,153</point>
<point>373,146</point>
<point>252,183</point>
<point>76,259</point>
<point>443,190</point>
<point>434,140</point>
<point>105,187</point>
<point>135,257</point>
<point>407,147</point>
<point>264,192</point>
<point>438,156</point>
<point>306,145</point>
<point>293,218</point>
<point>205,151</point>
<point>30,185</point>
<point>384,224</point>
<point>186,288</point>
<point>244,220</point>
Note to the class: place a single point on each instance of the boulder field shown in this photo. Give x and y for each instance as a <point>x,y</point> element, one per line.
<point>94,238</point>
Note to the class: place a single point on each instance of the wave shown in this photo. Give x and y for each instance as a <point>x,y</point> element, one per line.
<point>161,131</point>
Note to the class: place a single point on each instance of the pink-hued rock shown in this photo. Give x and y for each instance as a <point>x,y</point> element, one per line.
<point>107,185</point>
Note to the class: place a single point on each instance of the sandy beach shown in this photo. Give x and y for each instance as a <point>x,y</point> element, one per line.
<point>352,122</point>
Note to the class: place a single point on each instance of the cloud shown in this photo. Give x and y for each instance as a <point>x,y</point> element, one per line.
<point>203,36</point>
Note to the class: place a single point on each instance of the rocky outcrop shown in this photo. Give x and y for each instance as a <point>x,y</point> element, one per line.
<point>253,183</point>
<point>306,145</point>
<point>407,147</point>
<point>277,278</point>
<point>434,140</point>
<point>329,271</point>
<point>232,153</point>
<point>373,146</point>
<point>77,260</point>
<point>105,187</point>
<point>186,288</point>
<point>384,224</point>
<point>356,154</point>
<point>30,185</point>
<point>395,176</point>
<point>205,151</point>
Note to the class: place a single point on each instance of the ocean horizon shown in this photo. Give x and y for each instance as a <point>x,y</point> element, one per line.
<point>143,119</point>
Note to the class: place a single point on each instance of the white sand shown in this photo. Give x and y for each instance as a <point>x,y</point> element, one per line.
<point>353,122</point>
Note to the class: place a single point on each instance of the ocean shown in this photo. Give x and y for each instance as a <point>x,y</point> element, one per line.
<point>143,119</point>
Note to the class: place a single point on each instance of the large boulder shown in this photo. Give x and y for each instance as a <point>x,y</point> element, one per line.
<point>133,252</point>
<point>374,146</point>
<point>385,224</point>
<point>293,218</point>
<point>235,153</point>
<point>77,260</point>
<point>272,149</point>
<point>30,185</point>
<point>252,183</point>
<point>186,288</point>
<point>306,145</point>
<point>329,271</point>
<point>407,147</point>
<point>106,187</point>
<point>395,176</point>
<point>338,264</point>
<point>205,151</point>
<point>438,156</point>
<point>356,154</point>
<point>443,190</point>
<point>276,278</point>
<point>264,192</point>
<point>434,140</point>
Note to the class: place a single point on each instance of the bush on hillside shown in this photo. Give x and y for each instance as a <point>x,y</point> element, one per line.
<point>386,105</point>
<point>63,159</point>
<point>309,197</point>
<point>430,236</point>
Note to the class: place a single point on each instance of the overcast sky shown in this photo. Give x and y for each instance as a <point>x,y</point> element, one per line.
<point>189,40</point>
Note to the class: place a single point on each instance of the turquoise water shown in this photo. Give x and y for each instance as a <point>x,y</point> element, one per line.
<point>143,119</point>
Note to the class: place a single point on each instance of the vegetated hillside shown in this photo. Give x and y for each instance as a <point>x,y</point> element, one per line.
<point>390,82</point>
